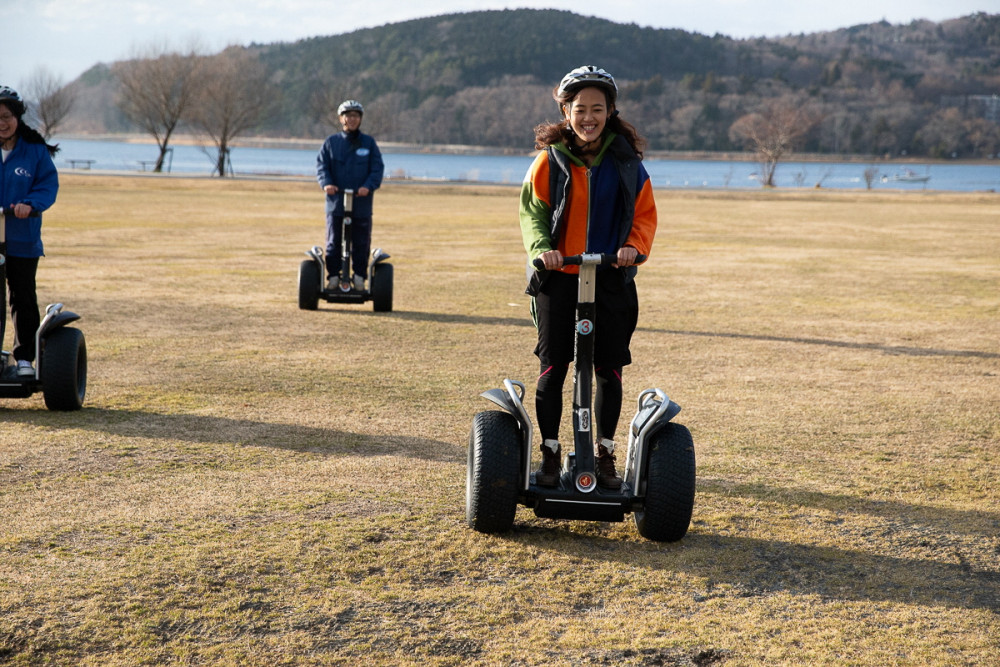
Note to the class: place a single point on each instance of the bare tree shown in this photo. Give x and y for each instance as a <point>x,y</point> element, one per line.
<point>234,98</point>
<point>53,99</point>
<point>156,91</point>
<point>772,132</point>
<point>870,175</point>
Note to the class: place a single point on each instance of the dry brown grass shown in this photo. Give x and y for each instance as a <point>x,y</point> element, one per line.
<point>258,485</point>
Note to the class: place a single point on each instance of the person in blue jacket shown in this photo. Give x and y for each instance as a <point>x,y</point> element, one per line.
<point>349,160</point>
<point>28,186</point>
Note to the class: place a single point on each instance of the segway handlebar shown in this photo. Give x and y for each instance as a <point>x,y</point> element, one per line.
<point>10,211</point>
<point>601,259</point>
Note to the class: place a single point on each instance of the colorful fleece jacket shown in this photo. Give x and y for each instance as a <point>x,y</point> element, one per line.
<point>569,207</point>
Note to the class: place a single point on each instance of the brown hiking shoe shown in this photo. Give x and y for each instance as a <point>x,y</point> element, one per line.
<point>548,473</point>
<point>607,476</point>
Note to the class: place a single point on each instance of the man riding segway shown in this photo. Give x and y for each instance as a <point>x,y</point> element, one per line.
<point>349,160</point>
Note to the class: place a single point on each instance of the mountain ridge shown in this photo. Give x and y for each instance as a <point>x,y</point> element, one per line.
<point>485,78</point>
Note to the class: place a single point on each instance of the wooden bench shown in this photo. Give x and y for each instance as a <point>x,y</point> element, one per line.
<point>146,164</point>
<point>83,164</point>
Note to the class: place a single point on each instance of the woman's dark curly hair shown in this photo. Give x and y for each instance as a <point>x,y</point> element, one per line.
<point>24,131</point>
<point>548,134</point>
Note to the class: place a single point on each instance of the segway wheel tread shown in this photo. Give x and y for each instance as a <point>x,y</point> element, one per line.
<point>381,287</point>
<point>670,486</point>
<point>64,369</point>
<point>494,463</point>
<point>309,277</point>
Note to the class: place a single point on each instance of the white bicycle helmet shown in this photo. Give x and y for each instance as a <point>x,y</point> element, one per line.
<point>588,75</point>
<point>350,105</point>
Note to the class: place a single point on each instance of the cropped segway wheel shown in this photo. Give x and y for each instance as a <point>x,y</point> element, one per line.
<point>492,473</point>
<point>382,287</point>
<point>309,277</point>
<point>63,367</point>
<point>670,481</point>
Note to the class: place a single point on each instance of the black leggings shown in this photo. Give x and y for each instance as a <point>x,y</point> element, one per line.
<point>23,305</point>
<point>607,400</point>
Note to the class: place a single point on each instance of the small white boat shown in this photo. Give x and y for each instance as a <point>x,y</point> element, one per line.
<point>907,176</point>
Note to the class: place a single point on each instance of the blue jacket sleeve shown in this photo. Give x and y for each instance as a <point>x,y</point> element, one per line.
<point>325,165</point>
<point>374,179</point>
<point>42,193</point>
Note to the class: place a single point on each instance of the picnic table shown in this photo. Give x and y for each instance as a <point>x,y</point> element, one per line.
<point>83,164</point>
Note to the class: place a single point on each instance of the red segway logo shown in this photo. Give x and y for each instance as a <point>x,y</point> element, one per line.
<point>584,327</point>
<point>586,482</point>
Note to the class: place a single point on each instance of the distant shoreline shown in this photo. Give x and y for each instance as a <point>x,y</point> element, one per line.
<point>459,149</point>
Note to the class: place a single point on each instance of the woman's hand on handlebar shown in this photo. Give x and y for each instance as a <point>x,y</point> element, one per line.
<point>552,259</point>
<point>330,189</point>
<point>626,256</point>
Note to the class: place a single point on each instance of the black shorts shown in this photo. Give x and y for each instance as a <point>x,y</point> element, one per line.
<point>616,318</point>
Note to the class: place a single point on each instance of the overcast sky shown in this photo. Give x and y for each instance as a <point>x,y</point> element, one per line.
<point>69,36</point>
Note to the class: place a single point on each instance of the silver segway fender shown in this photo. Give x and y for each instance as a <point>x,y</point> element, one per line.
<point>511,399</point>
<point>378,256</point>
<point>317,255</point>
<point>55,317</point>
<point>655,409</point>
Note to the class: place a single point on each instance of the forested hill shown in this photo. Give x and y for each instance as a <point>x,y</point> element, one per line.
<point>485,78</point>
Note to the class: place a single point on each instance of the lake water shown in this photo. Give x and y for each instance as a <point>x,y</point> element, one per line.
<point>500,169</point>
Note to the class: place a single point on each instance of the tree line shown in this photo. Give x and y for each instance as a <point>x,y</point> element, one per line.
<point>485,78</point>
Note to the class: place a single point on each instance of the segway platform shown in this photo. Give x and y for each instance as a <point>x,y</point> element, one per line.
<point>60,371</point>
<point>312,288</point>
<point>658,484</point>
<point>379,276</point>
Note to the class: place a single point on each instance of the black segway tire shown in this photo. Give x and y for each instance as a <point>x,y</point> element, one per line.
<point>670,484</point>
<point>382,287</point>
<point>491,484</point>
<point>64,369</point>
<point>309,277</point>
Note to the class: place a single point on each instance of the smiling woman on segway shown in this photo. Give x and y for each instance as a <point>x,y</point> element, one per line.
<point>586,192</point>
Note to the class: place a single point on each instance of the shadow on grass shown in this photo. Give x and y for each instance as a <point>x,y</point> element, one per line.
<point>525,321</point>
<point>946,520</point>
<point>209,430</point>
<point>453,318</point>
<point>886,349</point>
<point>743,567</point>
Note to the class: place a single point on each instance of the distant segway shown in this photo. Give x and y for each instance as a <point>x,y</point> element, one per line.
<point>311,285</point>
<point>658,484</point>
<point>61,351</point>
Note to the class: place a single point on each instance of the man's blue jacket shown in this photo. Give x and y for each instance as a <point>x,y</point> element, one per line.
<point>350,161</point>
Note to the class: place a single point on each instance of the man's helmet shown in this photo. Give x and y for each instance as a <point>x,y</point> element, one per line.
<point>350,105</point>
<point>9,96</point>
<point>585,76</point>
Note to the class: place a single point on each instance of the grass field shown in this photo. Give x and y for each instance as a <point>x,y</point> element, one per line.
<point>252,484</point>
